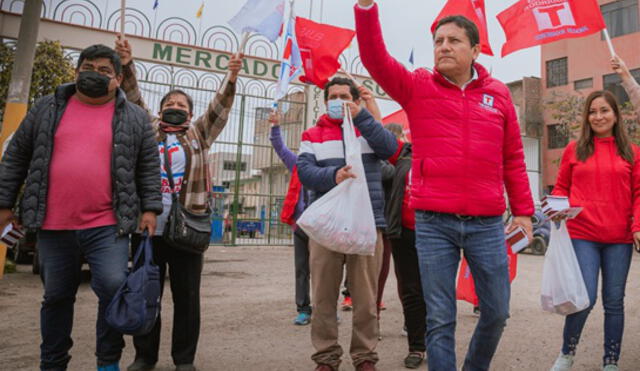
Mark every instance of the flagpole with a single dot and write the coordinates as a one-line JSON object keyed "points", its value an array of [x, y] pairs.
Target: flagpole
{"points": [[350, 76], [609, 43], [123, 4], [243, 41], [155, 18], [291, 3]]}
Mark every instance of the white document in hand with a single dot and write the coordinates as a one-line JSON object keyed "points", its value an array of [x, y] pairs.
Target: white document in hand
{"points": [[518, 240], [11, 235], [553, 206]]}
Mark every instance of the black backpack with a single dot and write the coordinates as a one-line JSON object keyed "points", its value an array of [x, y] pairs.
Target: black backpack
{"points": [[136, 305]]}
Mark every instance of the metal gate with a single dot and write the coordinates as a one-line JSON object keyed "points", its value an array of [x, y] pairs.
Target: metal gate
{"points": [[249, 180]]}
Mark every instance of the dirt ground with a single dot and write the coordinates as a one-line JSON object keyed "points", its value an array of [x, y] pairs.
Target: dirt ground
{"points": [[247, 314]]}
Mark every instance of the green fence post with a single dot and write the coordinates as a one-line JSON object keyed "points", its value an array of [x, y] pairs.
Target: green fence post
{"points": [[236, 192]]}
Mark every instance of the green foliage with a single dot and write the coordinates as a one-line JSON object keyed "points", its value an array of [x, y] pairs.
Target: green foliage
{"points": [[50, 69], [566, 110]]}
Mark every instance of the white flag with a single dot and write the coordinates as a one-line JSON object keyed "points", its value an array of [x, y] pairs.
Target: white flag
{"points": [[261, 16]]}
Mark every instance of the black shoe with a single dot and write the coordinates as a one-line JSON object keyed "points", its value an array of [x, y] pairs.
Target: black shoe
{"points": [[414, 360], [140, 365], [185, 367]]}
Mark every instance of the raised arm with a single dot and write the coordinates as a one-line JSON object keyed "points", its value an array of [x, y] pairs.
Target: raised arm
{"points": [[628, 82], [392, 76], [286, 155], [370, 102], [210, 124], [129, 81]]}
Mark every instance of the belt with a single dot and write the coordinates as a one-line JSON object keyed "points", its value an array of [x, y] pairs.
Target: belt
{"points": [[464, 217], [460, 216]]}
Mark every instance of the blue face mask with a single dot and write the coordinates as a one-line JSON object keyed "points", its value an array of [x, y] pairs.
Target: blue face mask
{"points": [[335, 109]]}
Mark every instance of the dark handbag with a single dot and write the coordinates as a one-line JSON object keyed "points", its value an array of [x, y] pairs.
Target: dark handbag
{"points": [[136, 305], [184, 229]]}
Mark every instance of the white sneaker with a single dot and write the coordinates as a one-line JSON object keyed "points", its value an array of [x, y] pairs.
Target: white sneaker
{"points": [[563, 363], [610, 368]]}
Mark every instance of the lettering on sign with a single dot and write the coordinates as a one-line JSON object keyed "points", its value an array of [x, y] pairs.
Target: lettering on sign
{"points": [[219, 61]]}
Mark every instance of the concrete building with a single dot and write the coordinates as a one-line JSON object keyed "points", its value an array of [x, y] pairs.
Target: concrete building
{"points": [[223, 165], [526, 96], [576, 67]]}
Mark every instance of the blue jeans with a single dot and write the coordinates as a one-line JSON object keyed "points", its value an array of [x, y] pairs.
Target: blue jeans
{"points": [[614, 260], [60, 256], [439, 239]]}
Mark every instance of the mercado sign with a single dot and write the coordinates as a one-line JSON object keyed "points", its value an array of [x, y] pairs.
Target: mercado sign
{"points": [[218, 61], [152, 50]]}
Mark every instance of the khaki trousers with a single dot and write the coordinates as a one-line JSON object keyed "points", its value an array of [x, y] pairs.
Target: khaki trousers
{"points": [[326, 276]]}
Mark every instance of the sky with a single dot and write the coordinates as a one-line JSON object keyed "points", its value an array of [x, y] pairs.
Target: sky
{"points": [[405, 25]]}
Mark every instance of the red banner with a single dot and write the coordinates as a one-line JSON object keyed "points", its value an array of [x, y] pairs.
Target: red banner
{"points": [[472, 9], [466, 289], [320, 47], [529, 23]]}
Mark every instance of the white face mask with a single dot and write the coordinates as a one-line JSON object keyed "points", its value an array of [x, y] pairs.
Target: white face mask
{"points": [[335, 109]]}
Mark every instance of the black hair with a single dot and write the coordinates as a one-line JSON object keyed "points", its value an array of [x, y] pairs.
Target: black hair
{"points": [[353, 89], [179, 92], [101, 51], [465, 23]]}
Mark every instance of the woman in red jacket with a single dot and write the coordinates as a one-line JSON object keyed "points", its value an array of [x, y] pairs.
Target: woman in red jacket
{"points": [[601, 173]]}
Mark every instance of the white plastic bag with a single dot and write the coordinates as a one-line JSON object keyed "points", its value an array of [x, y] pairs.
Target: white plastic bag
{"points": [[563, 288], [342, 219]]}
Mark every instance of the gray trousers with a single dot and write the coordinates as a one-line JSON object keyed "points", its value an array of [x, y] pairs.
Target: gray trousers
{"points": [[301, 256]]}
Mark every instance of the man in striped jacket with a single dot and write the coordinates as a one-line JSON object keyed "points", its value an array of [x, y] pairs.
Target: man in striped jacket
{"points": [[321, 166]]}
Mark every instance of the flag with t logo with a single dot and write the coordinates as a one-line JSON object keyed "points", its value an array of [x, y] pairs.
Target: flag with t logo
{"points": [[529, 23]]}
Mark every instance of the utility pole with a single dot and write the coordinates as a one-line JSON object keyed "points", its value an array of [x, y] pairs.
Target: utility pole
{"points": [[18, 96]]}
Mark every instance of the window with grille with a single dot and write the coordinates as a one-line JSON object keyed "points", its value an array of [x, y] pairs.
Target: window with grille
{"points": [[583, 84], [231, 165], [262, 113], [612, 82], [621, 17], [557, 72], [558, 136]]}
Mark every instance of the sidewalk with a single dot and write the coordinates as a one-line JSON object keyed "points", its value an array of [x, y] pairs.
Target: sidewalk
{"points": [[247, 306]]}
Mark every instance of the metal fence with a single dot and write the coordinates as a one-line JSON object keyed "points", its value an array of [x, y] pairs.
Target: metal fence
{"points": [[250, 181]]}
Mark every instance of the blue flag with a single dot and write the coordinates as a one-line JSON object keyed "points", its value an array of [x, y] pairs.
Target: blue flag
{"points": [[155, 4], [411, 57]]}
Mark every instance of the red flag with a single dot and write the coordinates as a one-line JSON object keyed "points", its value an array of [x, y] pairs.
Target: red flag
{"points": [[472, 9], [320, 47], [534, 22], [466, 289]]}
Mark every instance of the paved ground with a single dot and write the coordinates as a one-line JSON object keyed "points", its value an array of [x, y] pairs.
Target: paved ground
{"points": [[247, 321]]}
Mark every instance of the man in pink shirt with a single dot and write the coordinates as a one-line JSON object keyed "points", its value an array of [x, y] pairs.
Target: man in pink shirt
{"points": [[88, 161]]}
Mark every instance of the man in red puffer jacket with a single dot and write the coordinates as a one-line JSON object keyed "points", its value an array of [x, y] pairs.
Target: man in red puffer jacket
{"points": [[466, 151]]}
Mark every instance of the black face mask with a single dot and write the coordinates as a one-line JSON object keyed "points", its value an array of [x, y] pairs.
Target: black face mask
{"points": [[92, 84], [174, 116]]}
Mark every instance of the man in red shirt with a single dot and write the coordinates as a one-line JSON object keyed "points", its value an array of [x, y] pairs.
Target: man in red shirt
{"points": [[467, 151], [88, 161]]}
